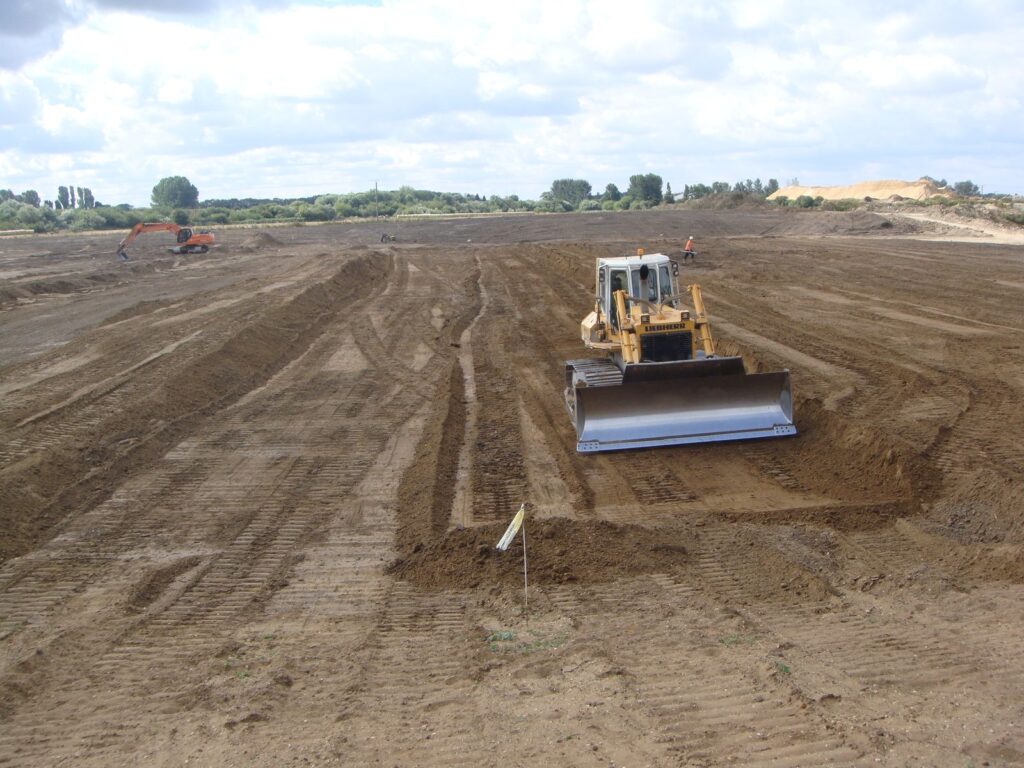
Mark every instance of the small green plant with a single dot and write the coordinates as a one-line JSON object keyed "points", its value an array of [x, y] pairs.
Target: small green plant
{"points": [[782, 668], [731, 640], [505, 641]]}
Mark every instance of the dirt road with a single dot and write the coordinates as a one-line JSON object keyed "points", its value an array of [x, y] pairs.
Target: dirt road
{"points": [[250, 501]]}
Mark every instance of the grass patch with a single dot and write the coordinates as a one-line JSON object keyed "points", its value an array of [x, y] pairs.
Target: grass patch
{"points": [[506, 641], [731, 640]]}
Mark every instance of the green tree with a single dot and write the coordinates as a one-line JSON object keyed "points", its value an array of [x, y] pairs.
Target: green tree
{"points": [[62, 198], [180, 217], [966, 188], [571, 191], [772, 187], [30, 217], [88, 200], [697, 191], [646, 187], [6, 194], [71, 190], [175, 192], [611, 192], [669, 197], [31, 197]]}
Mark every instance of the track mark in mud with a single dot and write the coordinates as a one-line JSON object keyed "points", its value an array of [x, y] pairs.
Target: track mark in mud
{"points": [[701, 716], [48, 371], [157, 582], [463, 501], [548, 493], [934, 324], [348, 359], [266, 479], [801, 359], [139, 431], [109, 384], [740, 566], [652, 480], [413, 626]]}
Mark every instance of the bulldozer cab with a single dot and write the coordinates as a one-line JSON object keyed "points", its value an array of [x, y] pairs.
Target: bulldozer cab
{"points": [[627, 274], [184, 235]]}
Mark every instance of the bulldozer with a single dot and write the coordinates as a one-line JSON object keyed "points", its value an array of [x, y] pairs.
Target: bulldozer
{"points": [[660, 382], [187, 240]]}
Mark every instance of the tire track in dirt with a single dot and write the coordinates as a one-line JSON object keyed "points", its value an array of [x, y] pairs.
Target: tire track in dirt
{"points": [[498, 474], [271, 520], [128, 435]]}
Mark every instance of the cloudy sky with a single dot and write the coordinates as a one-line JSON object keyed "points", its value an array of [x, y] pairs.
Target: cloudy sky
{"points": [[299, 97]]}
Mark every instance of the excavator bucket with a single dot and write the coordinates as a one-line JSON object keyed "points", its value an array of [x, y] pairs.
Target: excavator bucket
{"points": [[675, 403]]}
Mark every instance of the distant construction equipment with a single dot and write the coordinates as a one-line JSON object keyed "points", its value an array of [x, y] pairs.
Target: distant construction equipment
{"points": [[188, 241]]}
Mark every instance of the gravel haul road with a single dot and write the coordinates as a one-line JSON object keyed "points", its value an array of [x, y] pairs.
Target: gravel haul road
{"points": [[250, 500]]}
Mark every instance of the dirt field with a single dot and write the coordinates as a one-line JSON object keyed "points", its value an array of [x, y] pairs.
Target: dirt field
{"points": [[249, 502]]}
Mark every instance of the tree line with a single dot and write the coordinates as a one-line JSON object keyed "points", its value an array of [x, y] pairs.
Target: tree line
{"points": [[645, 190], [176, 198]]}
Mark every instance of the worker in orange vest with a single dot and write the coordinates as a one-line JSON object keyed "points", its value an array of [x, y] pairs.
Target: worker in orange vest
{"points": [[688, 249]]}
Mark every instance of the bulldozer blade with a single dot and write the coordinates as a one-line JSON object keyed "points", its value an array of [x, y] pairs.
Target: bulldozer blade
{"points": [[650, 408]]}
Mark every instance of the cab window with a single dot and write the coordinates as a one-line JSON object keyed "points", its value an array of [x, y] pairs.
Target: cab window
{"points": [[666, 282], [618, 283], [652, 285]]}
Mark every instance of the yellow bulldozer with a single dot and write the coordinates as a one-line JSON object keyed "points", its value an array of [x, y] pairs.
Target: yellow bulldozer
{"points": [[661, 382]]}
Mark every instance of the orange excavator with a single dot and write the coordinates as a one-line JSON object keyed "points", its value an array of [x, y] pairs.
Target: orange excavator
{"points": [[188, 241]]}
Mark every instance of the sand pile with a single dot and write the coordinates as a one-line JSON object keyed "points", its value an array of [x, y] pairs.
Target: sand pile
{"points": [[921, 189]]}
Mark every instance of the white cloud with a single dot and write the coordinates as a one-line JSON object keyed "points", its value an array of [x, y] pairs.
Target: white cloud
{"points": [[274, 98]]}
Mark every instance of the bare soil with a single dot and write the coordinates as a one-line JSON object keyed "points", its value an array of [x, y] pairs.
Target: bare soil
{"points": [[249, 501]]}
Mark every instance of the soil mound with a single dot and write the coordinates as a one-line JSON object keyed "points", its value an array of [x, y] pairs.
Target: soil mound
{"points": [[835, 223], [259, 241], [10, 293], [559, 551], [921, 189]]}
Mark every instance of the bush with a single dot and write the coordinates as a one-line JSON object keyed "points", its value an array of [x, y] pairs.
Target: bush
{"points": [[840, 205], [211, 216], [117, 218], [805, 201], [83, 220], [589, 205], [30, 217], [180, 217]]}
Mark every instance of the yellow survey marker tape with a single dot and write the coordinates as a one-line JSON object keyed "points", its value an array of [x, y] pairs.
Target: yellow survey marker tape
{"points": [[510, 533], [513, 528]]}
